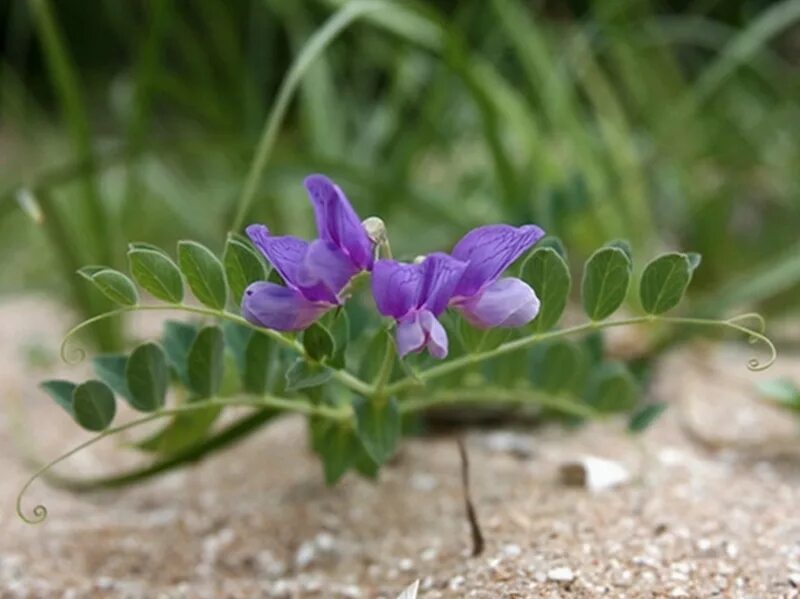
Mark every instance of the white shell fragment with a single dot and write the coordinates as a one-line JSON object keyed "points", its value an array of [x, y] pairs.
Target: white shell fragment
{"points": [[410, 592], [561, 574], [594, 474]]}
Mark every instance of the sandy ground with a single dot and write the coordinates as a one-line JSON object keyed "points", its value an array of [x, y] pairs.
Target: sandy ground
{"points": [[711, 510]]}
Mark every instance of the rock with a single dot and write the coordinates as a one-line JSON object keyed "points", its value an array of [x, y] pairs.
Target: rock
{"points": [[594, 474], [561, 574]]}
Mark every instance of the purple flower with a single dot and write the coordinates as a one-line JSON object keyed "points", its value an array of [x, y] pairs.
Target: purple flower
{"points": [[315, 272], [415, 294], [482, 297]]}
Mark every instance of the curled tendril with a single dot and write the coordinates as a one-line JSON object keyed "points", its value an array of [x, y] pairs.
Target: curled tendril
{"points": [[76, 355], [761, 323], [754, 337]]}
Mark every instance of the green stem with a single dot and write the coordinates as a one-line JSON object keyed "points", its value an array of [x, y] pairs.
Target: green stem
{"points": [[495, 395], [265, 402], [524, 342], [385, 371], [344, 377]]}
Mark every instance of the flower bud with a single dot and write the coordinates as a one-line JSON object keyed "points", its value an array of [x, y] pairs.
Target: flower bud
{"points": [[376, 229]]}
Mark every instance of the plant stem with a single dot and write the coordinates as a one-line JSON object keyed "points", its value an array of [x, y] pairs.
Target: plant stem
{"points": [[265, 402], [344, 377], [524, 342], [495, 395]]}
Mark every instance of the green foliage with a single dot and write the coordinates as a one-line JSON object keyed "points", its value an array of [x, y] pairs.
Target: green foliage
{"points": [[205, 362], [782, 391], [147, 377], [338, 447], [177, 340], [559, 366], [110, 368], [378, 427], [242, 267], [606, 277], [93, 405], [204, 273], [645, 417], [318, 342], [156, 273], [305, 375], [611, 388], [113, 284], [60, 392], [546, 271], [664, 282]]}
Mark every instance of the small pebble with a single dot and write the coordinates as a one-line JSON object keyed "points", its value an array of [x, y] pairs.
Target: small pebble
{"points": [[561, 574]]}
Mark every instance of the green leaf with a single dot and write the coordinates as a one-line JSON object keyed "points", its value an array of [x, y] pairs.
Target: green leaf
{"points": [[182, 432], [113, 284], [142, 245], [782, 391], [557, 368], [206, 362], [259, 353], [646, 416], [204, 273], [318, 342], [548, 274], [611, 388], [338, 323], [304, 375], [605, 282], [476, 340], [110, 368], [93, 405], [664, 282], [147, 376], [372, 358], [176, 340], [60, 392], [554, 243], [624, 245], [242, 267], [378, 427], [156, 273], [338, 448]]}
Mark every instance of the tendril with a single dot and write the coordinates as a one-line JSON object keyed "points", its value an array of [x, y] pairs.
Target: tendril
{"points": [[39, 511], [76, 354], [755, 364], [761, 323]]}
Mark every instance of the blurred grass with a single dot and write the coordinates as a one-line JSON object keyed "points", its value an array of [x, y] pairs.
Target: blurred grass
{"points": [[672, 129]]}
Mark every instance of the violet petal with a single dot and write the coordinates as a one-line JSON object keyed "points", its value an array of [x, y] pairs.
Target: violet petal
{"points": [[508, 302], [410, 335], [435, 335], [396, 287], [288, 254], [442, 274], [490, 250], [280, 308], [337, 222], [324, 263]]}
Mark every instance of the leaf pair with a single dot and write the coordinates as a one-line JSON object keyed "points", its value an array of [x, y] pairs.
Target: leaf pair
{"points": [[209, 279]]}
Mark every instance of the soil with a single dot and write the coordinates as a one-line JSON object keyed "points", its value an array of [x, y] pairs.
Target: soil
{"points": [[710, 510]]}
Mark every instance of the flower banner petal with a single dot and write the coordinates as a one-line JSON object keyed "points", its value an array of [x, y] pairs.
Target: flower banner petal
{"points": [[337, 222], [489, 251]]}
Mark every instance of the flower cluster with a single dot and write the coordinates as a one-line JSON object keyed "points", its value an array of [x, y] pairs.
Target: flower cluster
{"points": [[316, 275]]}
